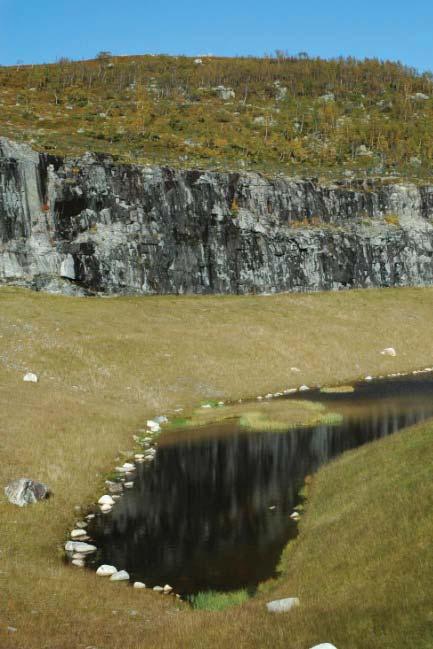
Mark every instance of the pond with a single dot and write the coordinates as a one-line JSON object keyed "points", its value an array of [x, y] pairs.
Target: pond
{"points": [[212, 511]]}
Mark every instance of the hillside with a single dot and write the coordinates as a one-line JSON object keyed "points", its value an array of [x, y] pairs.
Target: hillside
{"points": [[275, 114]]}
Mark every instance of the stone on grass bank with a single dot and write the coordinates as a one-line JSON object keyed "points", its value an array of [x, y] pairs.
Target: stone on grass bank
{"points": [[282, 605], [121, 575], [25, 491], [106, 571]]}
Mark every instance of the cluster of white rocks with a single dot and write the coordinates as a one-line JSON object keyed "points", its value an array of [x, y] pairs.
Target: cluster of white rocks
{"points": [[77, 549], [114, 574]]}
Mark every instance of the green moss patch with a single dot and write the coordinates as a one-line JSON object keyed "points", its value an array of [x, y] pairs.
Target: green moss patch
{"points": [[217, 601]]}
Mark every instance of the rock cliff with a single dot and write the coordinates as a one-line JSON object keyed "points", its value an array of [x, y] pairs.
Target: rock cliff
{"points": [[88, 224]]}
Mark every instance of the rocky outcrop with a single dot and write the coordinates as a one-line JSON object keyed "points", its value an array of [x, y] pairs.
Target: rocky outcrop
{"points": [[90, 225], [24, 491]]}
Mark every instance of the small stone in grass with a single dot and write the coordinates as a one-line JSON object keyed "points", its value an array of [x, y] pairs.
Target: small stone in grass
{"points": [[78, 562], [282, 605], [30, 377], [324, 645], [388, 351], [121, 575], [158, 589], [139, 585]]}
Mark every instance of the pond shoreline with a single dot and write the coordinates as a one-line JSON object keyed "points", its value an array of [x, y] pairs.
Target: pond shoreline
{"points": [[146, 451]]}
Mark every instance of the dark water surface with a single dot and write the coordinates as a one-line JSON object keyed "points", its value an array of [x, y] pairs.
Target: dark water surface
{"points": [[199, 516]]}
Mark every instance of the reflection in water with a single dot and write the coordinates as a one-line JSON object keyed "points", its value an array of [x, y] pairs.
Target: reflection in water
{"points": [[199, 516]]}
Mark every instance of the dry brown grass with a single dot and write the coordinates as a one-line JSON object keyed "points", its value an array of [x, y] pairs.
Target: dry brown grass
{"points": [[361, 564]]}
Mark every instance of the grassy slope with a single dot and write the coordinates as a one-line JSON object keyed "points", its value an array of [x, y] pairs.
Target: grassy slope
{"points": [[166, 110], [361, 564]]}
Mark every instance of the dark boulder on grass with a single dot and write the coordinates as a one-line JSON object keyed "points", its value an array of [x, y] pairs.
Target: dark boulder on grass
{"points": [[24, 491]]}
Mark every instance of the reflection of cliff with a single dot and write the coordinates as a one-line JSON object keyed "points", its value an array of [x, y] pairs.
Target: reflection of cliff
{"points": [[118, 228], [199, 516]]}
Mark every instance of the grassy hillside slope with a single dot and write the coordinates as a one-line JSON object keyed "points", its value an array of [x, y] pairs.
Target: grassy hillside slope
{"points": [[362, 564], [285, 114]]}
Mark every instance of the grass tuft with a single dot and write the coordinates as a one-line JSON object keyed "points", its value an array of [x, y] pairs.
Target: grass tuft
{"points": [[212, 600]]}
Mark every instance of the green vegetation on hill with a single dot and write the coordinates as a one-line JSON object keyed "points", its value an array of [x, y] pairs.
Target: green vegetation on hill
{"points": [[274, 114]]}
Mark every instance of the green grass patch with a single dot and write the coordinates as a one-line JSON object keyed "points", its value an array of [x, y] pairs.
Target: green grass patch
{"points": [[213, 600], [338, 389]]}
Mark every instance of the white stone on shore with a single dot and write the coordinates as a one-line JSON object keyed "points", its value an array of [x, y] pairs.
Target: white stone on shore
{"points": [[128, 485], [106, 500], [30, 377], [106, 570], [324, 645], [139, 585], [282, 605], [368, 378], [158, 589], [79, 546], [75, 534], [105, 509], [81, 525], [78, 555], [303, 388], [121, 575], [295, 516], [78, 562], [167, 588]]}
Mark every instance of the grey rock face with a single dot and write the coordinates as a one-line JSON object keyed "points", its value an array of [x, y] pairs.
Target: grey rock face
{"points": [[87, 225], [24, 491]]}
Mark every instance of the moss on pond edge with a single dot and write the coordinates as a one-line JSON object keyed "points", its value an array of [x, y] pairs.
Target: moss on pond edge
{"points": [[218, 601], [278, 415]]}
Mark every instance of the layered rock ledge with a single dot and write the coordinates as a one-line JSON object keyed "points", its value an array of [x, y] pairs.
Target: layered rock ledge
{"points": [[88, 224]]}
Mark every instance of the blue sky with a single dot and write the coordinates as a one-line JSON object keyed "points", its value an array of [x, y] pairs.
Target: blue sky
{"points": [[35, 31]]}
